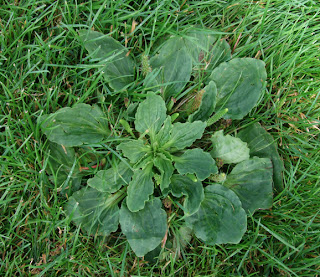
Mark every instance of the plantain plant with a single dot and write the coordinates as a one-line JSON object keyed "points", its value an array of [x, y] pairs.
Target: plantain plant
{"points": [[162, 158]]}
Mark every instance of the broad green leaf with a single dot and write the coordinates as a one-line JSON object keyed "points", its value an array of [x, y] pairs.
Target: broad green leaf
{"points": [[134, 150], [140, 188], [164, 133], [118, 66], [208, 103], [220, 52], [65, 166], [98, 213], [196, 161], [182, 185], [166, 169], [240, 83], [251, 180], [198, 43], [152, 80], [261, 144], [132, 108], [184, 134], [220, 218], [175, 66], [112, 179], [144, 229], [229, 149], [75, 126], [204, 47], [151, 114]]}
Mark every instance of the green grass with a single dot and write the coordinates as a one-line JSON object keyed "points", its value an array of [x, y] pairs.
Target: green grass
{"points": [[44, 67]]}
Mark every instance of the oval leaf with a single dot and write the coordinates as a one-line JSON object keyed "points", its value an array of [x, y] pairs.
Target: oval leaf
{"points": [[95, 211], [220, 218], [140, 188], [65, 166], [184, 134], [182, 185], [220, 52], [151, 114], [196, 161], [198, 43], [166, 170], [144, 229], [112, 179], [240, 83], [118, 68], [251, 180], [174, 65], [228, 148], [76, 126], [261, 144]]}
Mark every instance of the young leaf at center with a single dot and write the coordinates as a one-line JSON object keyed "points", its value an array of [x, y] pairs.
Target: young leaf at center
{"points": [[134, 150], [166, 169]]}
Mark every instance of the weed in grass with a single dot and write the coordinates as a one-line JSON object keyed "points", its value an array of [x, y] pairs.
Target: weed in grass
{"points": [[40, 79]]}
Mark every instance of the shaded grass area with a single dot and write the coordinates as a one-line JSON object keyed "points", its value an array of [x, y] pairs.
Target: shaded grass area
{"points": [[44, 67]]}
